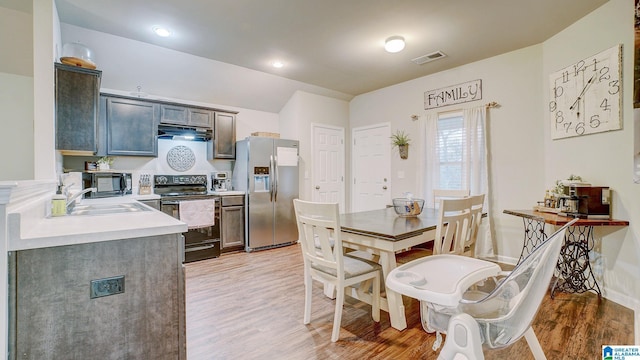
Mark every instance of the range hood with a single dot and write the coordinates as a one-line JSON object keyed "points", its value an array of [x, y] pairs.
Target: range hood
{"points": [[183, 133]]}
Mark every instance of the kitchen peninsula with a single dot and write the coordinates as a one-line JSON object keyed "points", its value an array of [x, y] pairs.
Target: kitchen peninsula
{"points": [[81, 285]]}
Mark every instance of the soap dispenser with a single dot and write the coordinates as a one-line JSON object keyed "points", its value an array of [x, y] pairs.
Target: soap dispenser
{"points": [[59, 203]]}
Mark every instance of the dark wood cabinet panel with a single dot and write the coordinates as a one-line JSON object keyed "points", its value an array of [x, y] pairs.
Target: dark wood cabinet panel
{"points": [[172, 114], [224, 136], [55, 317], [200, 117], [131, 127], [77, 92], [232, 227], [186, 116]]}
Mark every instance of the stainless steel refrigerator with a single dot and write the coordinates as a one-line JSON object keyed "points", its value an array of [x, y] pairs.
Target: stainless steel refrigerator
{"points": [[267, 170]]}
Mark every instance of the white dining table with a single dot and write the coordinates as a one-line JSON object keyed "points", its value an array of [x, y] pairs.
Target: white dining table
{"points": [[383, 234]]}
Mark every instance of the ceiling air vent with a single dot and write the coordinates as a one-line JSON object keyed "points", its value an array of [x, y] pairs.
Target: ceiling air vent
{"points": [[429, 57]]}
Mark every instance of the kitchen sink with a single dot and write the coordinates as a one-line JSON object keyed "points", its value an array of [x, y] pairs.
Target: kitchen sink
{"points": [[108, 209]]}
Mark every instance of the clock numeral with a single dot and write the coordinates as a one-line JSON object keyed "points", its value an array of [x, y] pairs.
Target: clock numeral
{"points": [[604, 74], [580, 128], [565, 76], [553, 106], [594, 122], [614, 87], [559, 117], [604, 105], [558, 91], [578, 67], [595, 65], [567, 126]]}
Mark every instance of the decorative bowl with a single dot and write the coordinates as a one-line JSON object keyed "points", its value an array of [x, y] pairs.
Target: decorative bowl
{"points": [[408, 207]]}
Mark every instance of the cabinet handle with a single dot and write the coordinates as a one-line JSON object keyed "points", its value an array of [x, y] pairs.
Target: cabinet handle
{"points": [[384, 187], [317, 187]]}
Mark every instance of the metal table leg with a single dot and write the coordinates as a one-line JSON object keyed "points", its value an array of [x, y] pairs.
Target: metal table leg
{"points": [[573, 271], [533, 235]]}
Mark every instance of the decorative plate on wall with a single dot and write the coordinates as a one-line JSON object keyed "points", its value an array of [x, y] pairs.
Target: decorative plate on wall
{"points": [[181, 158]]}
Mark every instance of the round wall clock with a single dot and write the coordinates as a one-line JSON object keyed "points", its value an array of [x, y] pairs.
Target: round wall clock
{"points": [[586, 97]]}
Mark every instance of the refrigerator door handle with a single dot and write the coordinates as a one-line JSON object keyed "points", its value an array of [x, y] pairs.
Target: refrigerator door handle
{"points": [[276, 178], [271, 183]]}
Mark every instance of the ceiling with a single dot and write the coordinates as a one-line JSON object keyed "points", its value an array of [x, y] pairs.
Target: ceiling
{"points": [[334, 44]]}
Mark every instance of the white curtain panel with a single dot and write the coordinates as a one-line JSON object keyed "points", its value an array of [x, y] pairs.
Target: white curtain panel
{"points": [[474, 169]]}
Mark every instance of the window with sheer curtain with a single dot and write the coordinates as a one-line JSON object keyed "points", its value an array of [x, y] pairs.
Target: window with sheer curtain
{"points": [[456, 152]]}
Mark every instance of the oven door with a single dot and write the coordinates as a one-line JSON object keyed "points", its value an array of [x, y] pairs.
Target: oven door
{"points": [[200, 243]]}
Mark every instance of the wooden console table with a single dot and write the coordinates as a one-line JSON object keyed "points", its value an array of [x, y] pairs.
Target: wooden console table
{"points": [[573, 270]]}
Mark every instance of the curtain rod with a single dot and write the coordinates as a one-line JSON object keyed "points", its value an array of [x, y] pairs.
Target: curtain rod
{"points": [[489, 105]]}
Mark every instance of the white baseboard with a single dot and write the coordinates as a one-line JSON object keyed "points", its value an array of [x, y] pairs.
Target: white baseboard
{"points": [[628, 302]]}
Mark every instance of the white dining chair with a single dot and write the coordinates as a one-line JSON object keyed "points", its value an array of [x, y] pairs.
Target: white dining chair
{"points": [[454, 219], [439, 194], [477, 203], [325, 261]]}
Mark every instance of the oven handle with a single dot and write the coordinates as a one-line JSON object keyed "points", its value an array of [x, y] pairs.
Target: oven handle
{"points": [[177, 202], [205, 247]]}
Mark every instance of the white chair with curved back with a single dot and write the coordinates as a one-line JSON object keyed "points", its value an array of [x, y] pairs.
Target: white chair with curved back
{"points": [[477, 203], [439, 194], [454, 219], [325, 261]]}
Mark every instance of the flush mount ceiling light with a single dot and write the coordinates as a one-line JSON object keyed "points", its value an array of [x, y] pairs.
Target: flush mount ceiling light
{"points": [[394, 44], [162, 32], [277, 64]]}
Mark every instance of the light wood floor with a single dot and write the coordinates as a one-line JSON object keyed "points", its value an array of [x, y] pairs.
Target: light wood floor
{"points": [[250, 305]]}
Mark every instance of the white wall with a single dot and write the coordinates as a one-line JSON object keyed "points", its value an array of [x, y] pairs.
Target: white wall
{"points": [[296, 117], [514, 136], [16, 95], [603, 159]]}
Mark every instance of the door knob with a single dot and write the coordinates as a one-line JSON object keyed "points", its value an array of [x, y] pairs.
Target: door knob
{"points": [[317, 187], [384, 187]]}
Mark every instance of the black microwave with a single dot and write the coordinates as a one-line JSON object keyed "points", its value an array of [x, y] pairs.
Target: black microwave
{"points": [[106, 183]]}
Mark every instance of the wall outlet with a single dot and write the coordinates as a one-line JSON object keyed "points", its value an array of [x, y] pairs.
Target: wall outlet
{"points": [[108, 286]]}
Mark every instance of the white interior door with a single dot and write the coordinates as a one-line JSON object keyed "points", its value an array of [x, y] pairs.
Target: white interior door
{"points": [[328, 164], [371, 166]]}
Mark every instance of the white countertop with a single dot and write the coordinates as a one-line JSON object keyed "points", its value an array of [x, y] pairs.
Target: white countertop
{"points": [[29, 228]]}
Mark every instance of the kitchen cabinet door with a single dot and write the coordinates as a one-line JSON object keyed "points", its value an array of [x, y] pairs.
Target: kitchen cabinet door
{"points": [[200, 117], [77, 93], [232, 227], [185, 116], [174, 115], [224, 136], [131, 127]]}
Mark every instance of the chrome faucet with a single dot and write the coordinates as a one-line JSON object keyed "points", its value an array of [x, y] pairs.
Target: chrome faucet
{"points": [[71, 202]]}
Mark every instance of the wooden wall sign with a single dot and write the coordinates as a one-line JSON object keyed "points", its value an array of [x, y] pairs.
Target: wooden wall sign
{"points": [[455, 94]]}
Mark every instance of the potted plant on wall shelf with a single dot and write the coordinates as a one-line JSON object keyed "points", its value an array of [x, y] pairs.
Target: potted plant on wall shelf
{"points": [[104, 163], [401, 140]]}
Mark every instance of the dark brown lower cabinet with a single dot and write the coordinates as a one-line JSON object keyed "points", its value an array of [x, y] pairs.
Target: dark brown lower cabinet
{"points": [[52, 313]]}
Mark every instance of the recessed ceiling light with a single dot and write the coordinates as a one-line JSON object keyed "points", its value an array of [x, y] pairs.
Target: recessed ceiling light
{"points": [[277, 64], [162, 32], [394, 44]]}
